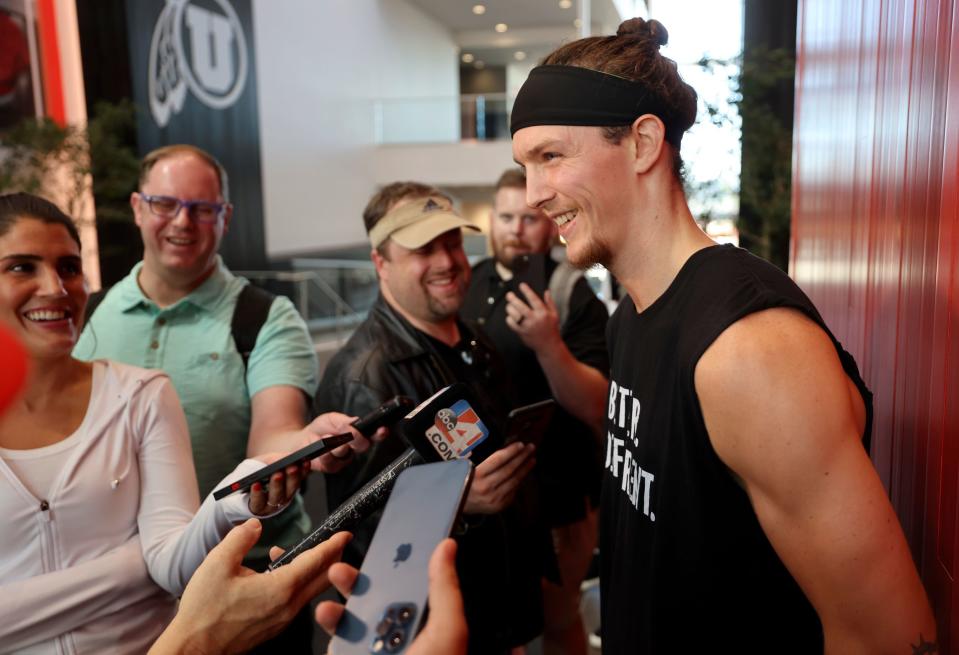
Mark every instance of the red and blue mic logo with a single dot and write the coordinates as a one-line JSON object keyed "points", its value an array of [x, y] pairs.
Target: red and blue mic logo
{"points": [[456, 431]]}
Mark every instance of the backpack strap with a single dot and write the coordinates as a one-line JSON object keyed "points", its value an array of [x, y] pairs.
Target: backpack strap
{"points": [[561, 285], [251, 311]]}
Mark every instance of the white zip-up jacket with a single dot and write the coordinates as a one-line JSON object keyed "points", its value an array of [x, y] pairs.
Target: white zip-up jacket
{"points": [[94, 566]]}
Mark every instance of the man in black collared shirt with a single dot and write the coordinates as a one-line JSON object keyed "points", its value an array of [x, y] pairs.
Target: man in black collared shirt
{"points": [[552, 340]]}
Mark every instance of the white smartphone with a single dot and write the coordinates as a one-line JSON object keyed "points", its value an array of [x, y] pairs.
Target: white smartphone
{"points": [[385, 609]]}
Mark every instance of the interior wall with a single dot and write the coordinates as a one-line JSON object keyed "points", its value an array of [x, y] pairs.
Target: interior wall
{"points": [[321, 67], [876, 243]]}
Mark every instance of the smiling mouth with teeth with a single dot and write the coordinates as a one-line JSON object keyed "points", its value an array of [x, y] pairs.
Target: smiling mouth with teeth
{"points": [[44, 315], [563, 219]]}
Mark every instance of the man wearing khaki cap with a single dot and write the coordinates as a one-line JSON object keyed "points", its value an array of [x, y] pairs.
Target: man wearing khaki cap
{"points": [[413, 344]]}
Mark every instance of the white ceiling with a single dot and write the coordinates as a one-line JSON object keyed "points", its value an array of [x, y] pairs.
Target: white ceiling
{"points": [[535, 26], [458, 15]]}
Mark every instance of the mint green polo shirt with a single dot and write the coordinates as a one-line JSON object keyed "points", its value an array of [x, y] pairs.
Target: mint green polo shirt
{"points": [[192, 342]]}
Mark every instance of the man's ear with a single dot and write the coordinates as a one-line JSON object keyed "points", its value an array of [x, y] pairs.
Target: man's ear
{"points": [[135, 206], [227, 215], [648, 134], [379, 262]]}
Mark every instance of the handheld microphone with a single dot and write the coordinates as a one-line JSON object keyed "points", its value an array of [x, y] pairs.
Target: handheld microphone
{"points": [[386, 414], [450, 424], [445, 426]]}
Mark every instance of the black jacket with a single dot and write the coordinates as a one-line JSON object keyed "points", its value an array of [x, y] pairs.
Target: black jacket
{"points": [[385, 357]]}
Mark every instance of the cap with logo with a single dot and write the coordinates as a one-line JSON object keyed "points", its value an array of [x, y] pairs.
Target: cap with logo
{"points": [[414, 224]]}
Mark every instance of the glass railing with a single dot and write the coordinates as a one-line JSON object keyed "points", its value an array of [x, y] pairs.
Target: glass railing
{"points": [[484, 117], [333, 296]]}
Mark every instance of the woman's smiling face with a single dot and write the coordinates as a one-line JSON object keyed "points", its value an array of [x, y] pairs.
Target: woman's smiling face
{"points": [[42, 289]]}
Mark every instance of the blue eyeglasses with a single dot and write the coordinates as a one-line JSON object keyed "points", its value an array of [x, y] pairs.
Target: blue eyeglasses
{"points": [[201, 211]]}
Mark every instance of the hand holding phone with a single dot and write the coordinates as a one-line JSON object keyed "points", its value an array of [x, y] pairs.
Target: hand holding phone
{"points": [[262, 475], [530, 269], [445, 630], [529, 422], [498, 478], [386, 606]]}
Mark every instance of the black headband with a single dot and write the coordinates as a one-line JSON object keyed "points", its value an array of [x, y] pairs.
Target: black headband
{"points": [[569, 95]]}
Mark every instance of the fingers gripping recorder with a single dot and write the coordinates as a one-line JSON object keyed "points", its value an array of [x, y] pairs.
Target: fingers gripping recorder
{"points": [[446, 426]]}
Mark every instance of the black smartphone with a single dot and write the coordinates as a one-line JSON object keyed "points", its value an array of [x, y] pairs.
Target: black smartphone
{"points": [[530, 269], [529, 422], [311, 451], [385, 608], [386, 414]]}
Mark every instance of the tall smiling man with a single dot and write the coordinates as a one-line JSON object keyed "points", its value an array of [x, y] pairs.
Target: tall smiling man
{"points": [[740, 511], [176, 311]]}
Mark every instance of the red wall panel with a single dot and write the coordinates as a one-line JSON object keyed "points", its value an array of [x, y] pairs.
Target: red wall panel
{"points": [[875, 229]]}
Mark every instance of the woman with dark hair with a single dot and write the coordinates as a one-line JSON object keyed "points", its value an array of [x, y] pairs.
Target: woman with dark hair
{"points": [[100, 519]]}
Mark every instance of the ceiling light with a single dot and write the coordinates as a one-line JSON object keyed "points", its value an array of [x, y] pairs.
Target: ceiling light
{"points": [[479, 10], [467, 58], [501, 27], [565, 4], [519, 55], [480, 64]]}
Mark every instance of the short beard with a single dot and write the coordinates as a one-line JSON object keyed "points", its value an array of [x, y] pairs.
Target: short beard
{"points": [[595, 252], [500, 256]]}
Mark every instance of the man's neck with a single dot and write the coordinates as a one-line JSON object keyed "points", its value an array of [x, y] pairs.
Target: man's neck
{"points": [[648, 264], [446, 331], [165, 289], [503, 271]]}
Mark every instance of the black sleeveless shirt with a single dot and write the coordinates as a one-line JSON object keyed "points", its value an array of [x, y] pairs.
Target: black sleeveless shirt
{"points": [[685, 565]]}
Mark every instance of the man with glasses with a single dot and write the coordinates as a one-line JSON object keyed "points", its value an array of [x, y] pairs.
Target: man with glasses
{"points": [[175, 311]]}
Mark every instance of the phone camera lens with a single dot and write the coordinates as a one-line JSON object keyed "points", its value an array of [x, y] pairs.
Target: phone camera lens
{"points": [[395, 641], [404, 614], [383, 627]]}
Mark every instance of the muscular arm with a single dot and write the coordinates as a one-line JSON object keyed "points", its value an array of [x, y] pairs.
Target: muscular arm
{"points": [[786, 420]]}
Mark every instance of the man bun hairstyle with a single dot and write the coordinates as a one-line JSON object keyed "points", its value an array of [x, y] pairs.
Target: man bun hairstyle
{"points": [[633, 54], [644, 28]]}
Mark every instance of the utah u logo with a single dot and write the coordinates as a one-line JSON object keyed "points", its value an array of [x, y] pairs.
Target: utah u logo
{"points": [[196, 48]]}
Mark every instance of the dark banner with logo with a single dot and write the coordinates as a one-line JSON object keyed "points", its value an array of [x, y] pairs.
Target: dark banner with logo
{"points": [[194, 82]]}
